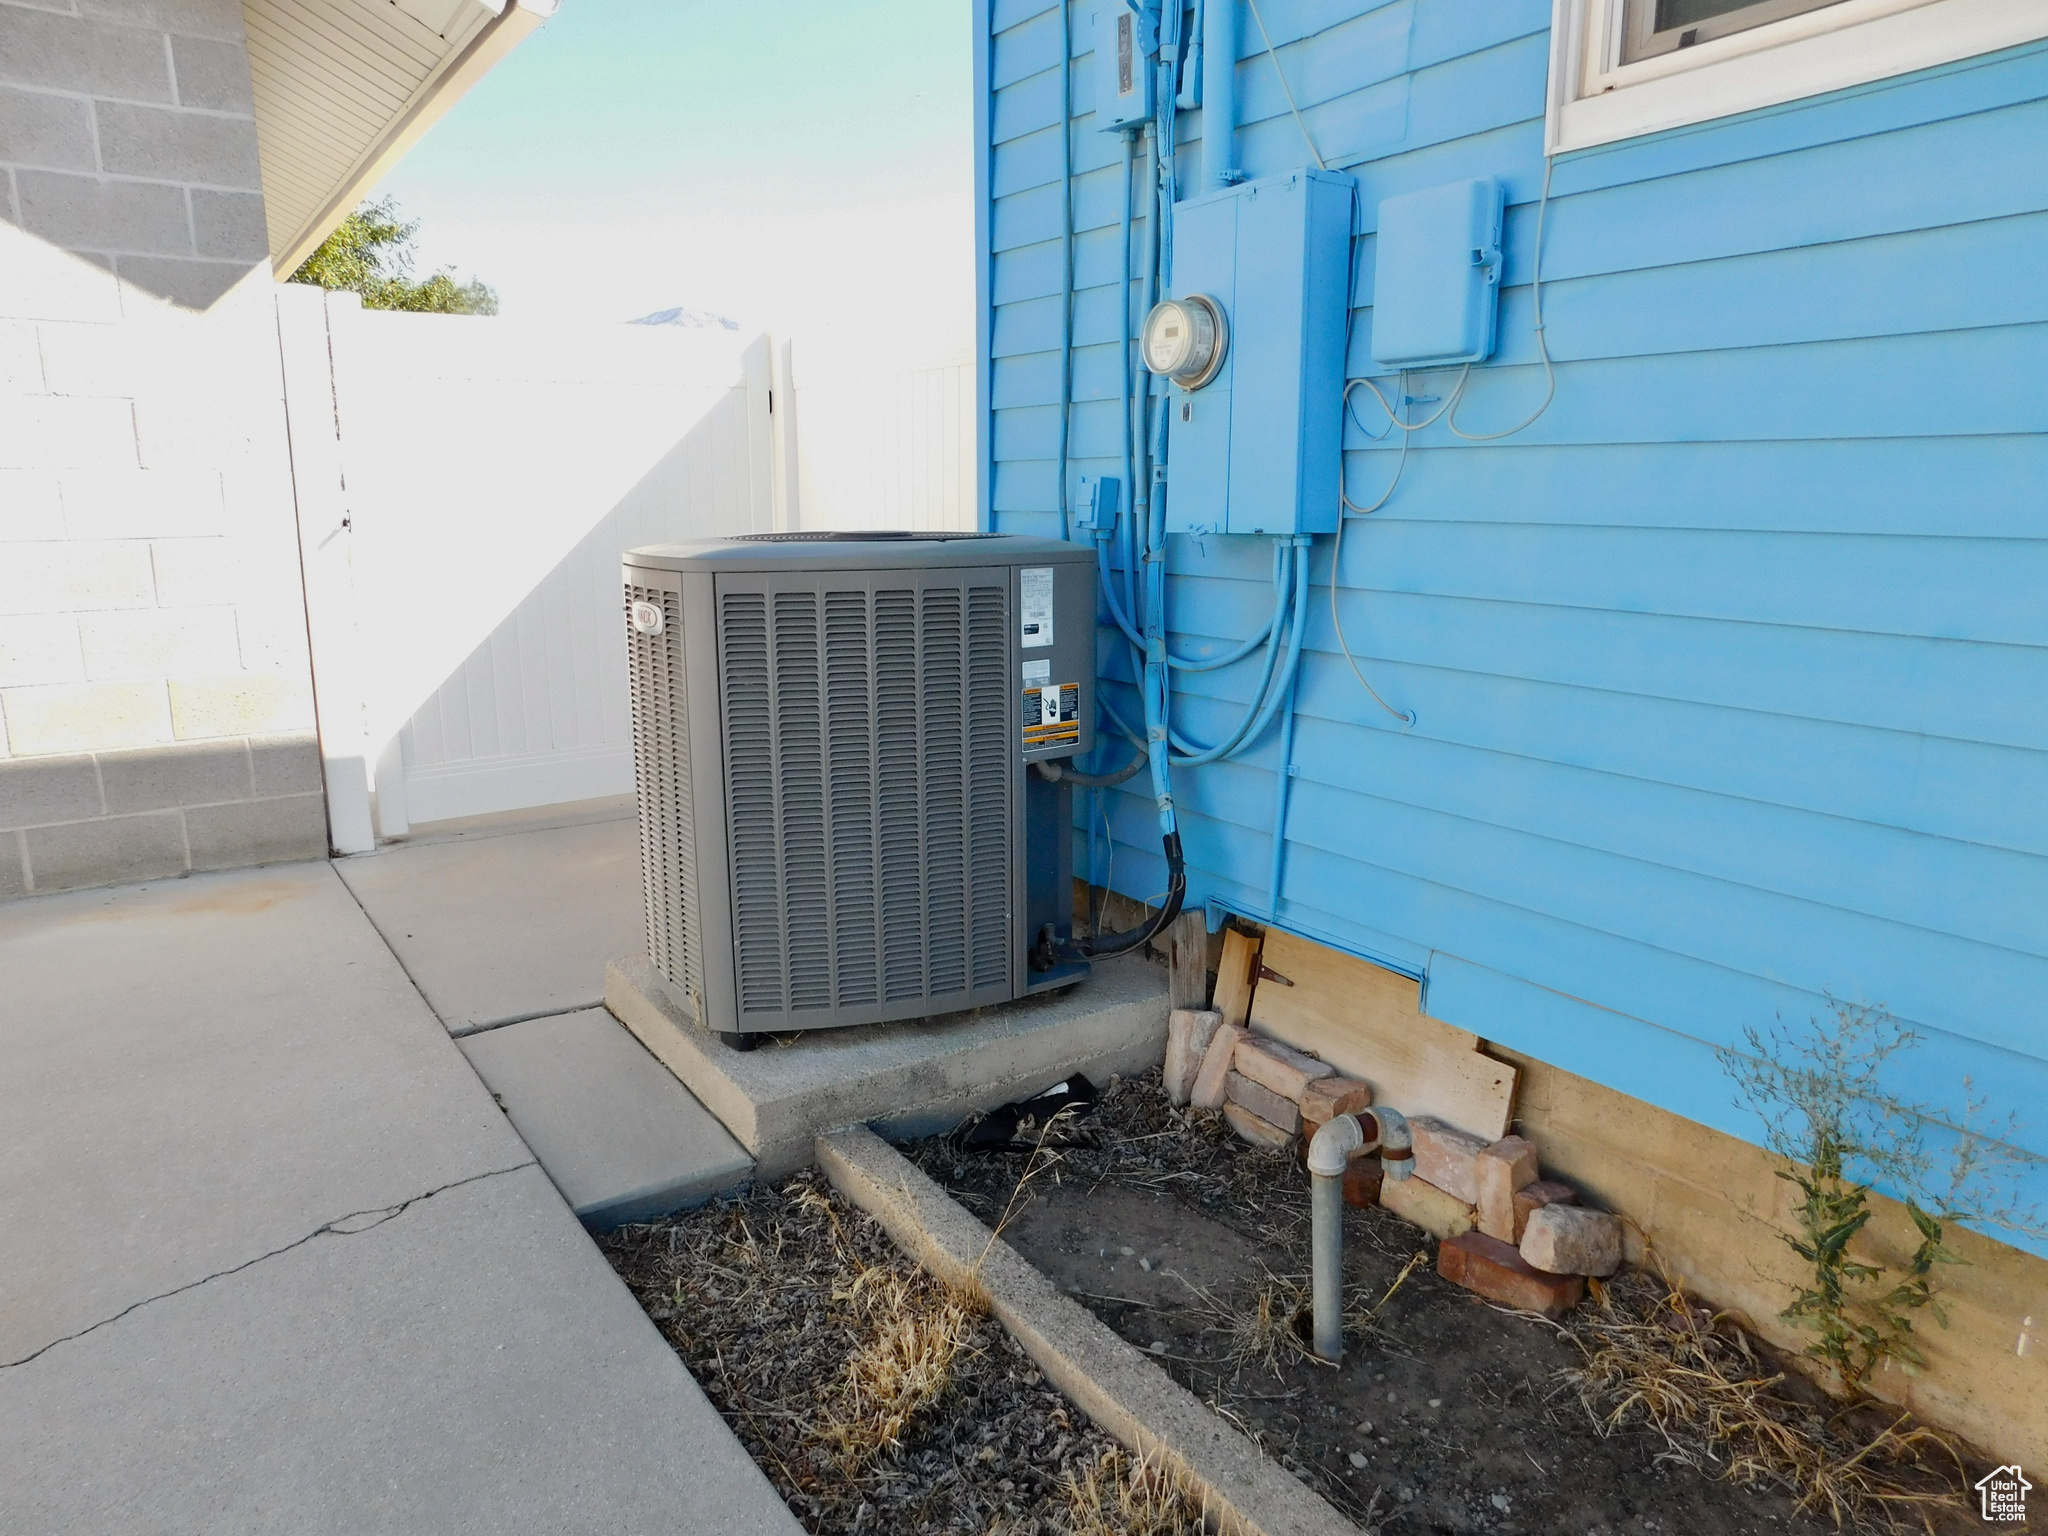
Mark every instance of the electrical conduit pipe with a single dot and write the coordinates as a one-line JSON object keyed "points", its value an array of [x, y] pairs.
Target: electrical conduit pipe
{"points": [[1219, 95], [1328, 1153]]}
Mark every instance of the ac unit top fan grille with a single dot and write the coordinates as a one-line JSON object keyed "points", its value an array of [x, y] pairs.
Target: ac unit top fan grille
{"points": [[845, 536]]}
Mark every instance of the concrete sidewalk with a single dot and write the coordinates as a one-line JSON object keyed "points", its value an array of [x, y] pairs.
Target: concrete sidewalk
{"points": [[511, 920], [272, 1259]]}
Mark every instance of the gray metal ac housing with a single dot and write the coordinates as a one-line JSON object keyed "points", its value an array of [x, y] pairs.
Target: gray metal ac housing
{"points": [[830, 742]]}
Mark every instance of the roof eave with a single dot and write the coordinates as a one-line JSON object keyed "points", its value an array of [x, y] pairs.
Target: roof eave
{"points": [[464, 65]]}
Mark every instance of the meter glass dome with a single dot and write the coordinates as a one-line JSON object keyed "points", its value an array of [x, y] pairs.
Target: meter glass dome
{"points": [[1184, 340]]}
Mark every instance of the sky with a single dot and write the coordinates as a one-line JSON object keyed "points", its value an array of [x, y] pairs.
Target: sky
{"points": [[803, 167]]}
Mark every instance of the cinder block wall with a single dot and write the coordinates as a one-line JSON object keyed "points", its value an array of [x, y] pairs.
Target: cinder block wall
{"points": [[155, 698]]}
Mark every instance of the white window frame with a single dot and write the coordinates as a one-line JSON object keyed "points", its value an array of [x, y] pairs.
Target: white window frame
{"points": [[1594, 99]]}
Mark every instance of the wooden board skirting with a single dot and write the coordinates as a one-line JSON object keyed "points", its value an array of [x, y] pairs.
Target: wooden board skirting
{"points": [[1368, 1022], [1235, 974]]}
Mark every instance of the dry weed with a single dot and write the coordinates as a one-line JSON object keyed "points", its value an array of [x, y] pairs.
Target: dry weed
{"points": [[1656, 1359], [1268, 1332], [874, 1396], [1362, 1322], [916, 1330], [1122, 1495]]}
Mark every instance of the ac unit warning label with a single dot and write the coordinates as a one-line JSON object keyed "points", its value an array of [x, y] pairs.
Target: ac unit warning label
{"points": [[1052, 716], [1034, 604]]}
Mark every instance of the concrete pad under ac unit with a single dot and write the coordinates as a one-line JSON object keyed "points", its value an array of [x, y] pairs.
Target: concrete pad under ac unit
{"points": [[906, 1079], [621, 1138]]}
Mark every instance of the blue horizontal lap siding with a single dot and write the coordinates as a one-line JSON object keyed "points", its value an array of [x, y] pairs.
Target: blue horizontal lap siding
{"points": [[1731, 672]]}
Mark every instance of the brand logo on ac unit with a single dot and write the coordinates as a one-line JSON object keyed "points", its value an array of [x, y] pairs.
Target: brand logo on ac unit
{"points": [[648, 618]]}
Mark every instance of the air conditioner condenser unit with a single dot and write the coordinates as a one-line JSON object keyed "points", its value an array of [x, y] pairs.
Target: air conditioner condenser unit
{"points": [[831, 738]]}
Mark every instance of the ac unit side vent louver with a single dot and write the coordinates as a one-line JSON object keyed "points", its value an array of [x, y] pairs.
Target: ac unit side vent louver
{"points": [[661, 779]]}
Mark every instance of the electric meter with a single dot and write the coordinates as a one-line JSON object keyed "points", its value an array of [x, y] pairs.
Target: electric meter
{"points": [[1184, 340]]}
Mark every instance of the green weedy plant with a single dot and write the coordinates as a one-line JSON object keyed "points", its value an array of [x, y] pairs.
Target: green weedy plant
{"points": [[1838, 1132]]}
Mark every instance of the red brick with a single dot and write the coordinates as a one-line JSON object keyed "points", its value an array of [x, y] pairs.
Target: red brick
{"points": [[1188, 1033], [1209, 1082], [1491, 1268], [1362, 1177], [1447, 1156], [1533, 1197], [1506, 1166], [1274, 1108], [1260, 1133], [1279, 1067], [1328, 1097]]}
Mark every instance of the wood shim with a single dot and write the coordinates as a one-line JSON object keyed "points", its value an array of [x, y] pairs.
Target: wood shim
{"points": [[1236, 974], [1368, 1022]]}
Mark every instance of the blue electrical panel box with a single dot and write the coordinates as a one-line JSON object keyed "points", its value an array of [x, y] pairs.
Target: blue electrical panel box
{"points": [[1436, 278], [1258, 449], [1125, 38]]}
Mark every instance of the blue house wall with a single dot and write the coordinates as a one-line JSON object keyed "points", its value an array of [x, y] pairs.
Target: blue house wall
{"points": [[1730, 673]]}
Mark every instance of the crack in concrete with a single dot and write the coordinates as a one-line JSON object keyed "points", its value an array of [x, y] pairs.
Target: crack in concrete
{"points": [[341, 1226]]}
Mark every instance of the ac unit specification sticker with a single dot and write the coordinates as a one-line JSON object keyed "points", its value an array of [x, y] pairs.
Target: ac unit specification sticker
{"points": [[1034, 604], [1052, 715]]}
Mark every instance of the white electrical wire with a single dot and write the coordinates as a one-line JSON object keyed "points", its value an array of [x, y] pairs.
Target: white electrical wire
{"points": [[1447, 413], [1450, 401], [1337, 554], [1542, 342], [1286, 89], [1347, 505], [1346, 509]]}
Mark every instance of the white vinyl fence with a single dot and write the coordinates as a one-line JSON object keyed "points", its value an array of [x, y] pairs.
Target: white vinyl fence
{"points": [[465, 489], [884, 450]]}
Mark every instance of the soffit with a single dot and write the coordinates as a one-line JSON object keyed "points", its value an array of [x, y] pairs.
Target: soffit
{"points": [[343, 86]]}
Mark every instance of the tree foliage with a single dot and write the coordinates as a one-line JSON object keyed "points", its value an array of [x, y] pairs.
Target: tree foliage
{"points": [[371, 253]]}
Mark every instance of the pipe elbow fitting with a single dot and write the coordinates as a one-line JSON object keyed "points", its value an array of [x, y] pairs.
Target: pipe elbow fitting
{"points": [[1397, 1143], [1331, 1147]]}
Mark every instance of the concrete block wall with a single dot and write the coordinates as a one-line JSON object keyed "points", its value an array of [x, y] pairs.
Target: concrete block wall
{"points": [[128, 135], [96, 818], [151, 602]]}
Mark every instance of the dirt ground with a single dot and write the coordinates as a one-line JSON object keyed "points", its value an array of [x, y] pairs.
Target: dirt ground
{"points": [[872, 1399], [1447, 1415]]}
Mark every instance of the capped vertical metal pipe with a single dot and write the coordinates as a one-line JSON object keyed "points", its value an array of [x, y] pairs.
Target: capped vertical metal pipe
{"points": [[1219, 94], [1328, 1153]]}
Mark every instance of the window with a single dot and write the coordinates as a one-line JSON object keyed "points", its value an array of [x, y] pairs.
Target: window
{"points": [[1651, 27], [1620, 68]]}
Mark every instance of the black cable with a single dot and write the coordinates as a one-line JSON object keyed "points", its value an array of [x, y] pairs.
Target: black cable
{"points": [[1054, 773], [1102, 946]]}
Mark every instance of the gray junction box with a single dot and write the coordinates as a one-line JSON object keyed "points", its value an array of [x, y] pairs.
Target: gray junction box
{"points": [[831, 741]]}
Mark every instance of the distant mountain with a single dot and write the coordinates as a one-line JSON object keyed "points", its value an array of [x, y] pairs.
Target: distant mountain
{"points": [[691, 319]]}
